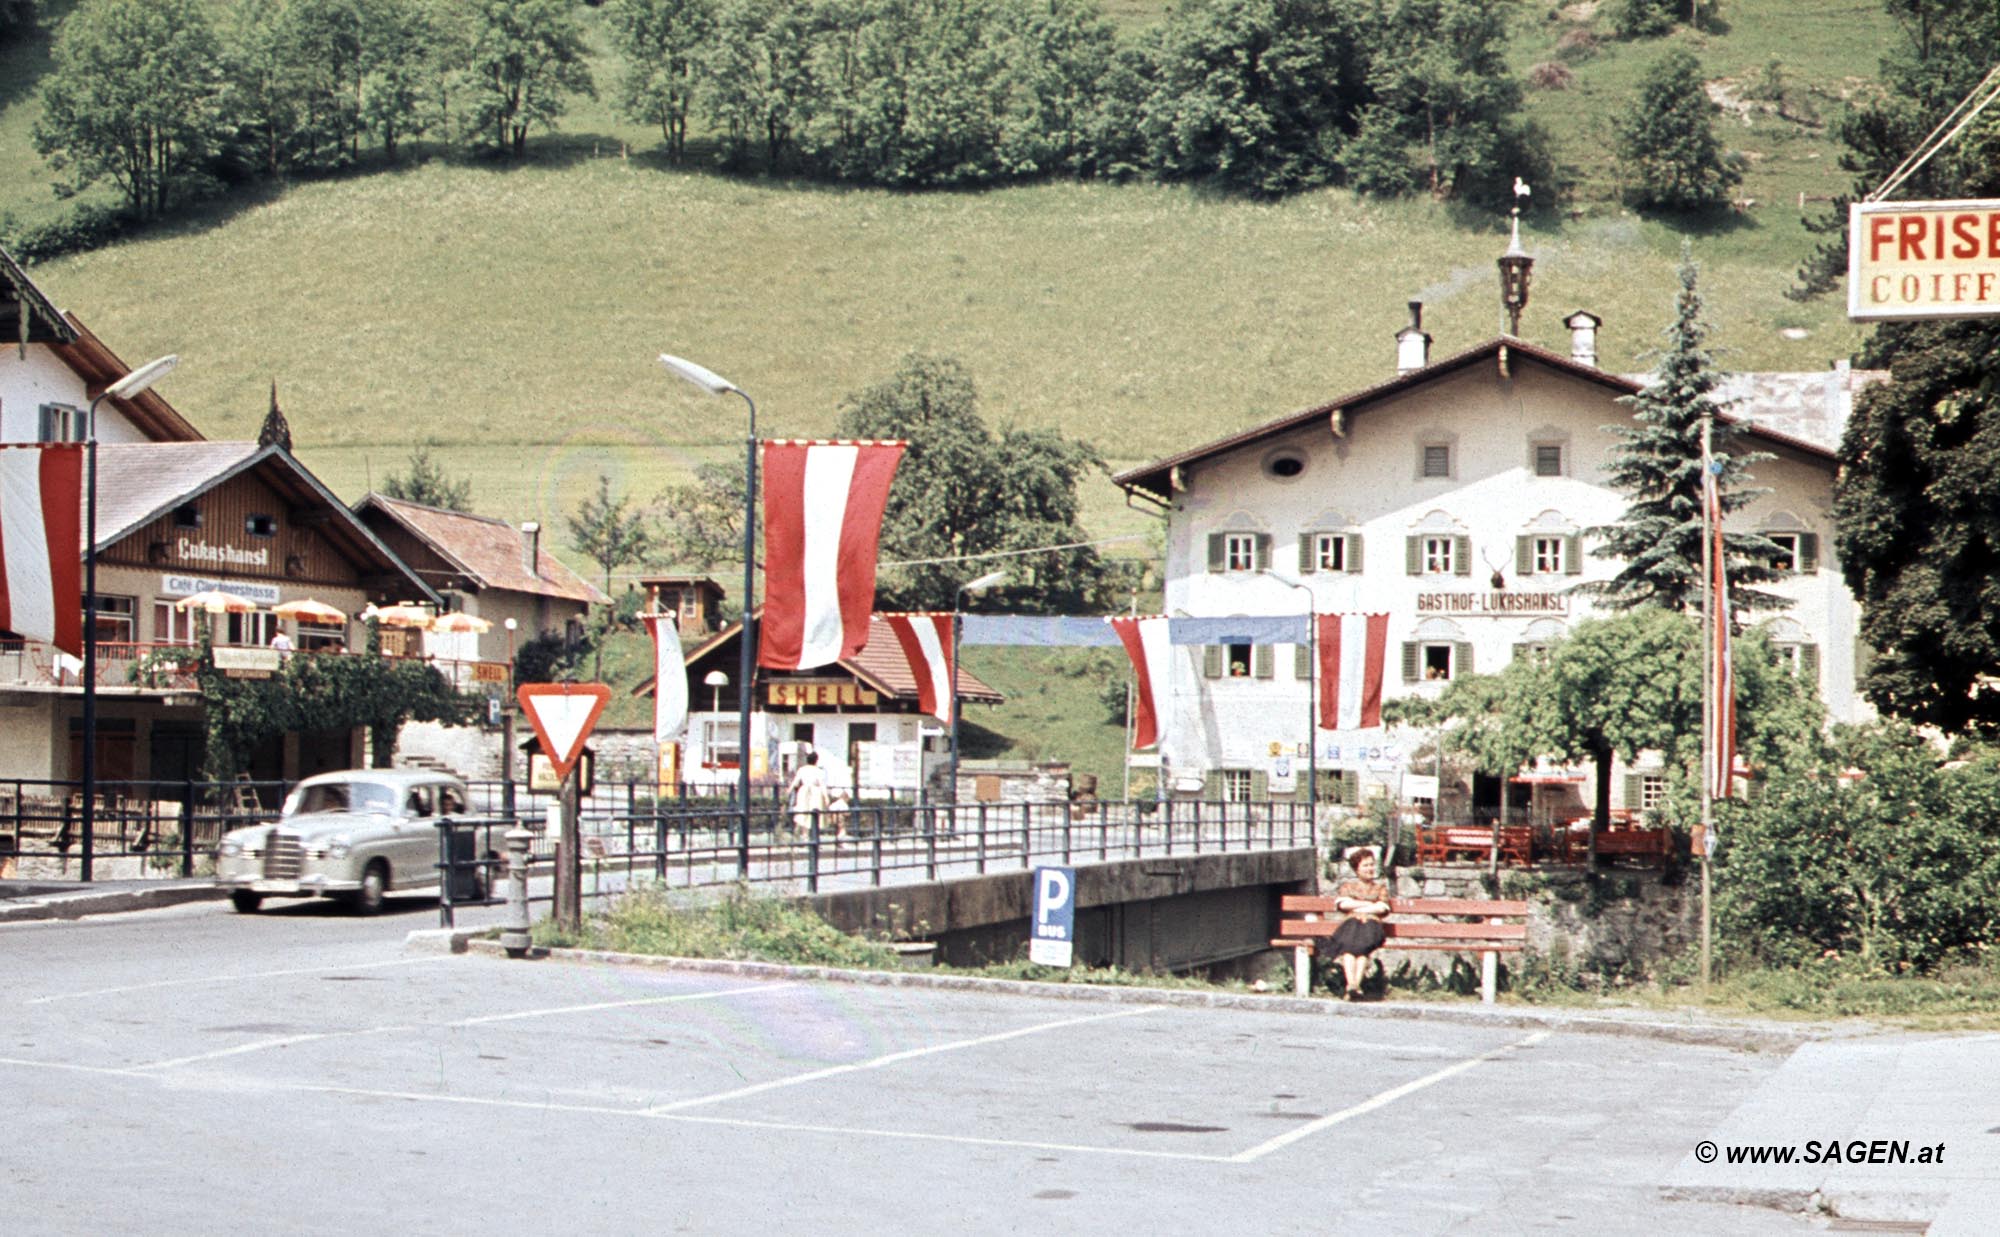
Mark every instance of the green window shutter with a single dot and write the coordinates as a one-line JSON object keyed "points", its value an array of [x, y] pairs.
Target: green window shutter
{"points": [[1353, 551], [1461, 660], [1635, 791], [47, 429], [1864, 657], [1809, 663], [1573, 554], [1308, 561], [1413, 555], [1808, 553], [1350, 788], [1302, 661], [1260, 784], [1211, 785], [1524, 556], [1262, 661], [1409, 661], [1216, 551], [1461, 556], [1263, 554], [1523, 650], [1211, 661]]}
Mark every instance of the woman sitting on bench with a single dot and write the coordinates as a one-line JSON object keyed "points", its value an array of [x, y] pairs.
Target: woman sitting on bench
{"points": [[1364, 900]]}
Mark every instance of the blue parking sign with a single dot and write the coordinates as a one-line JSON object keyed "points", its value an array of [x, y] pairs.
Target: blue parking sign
{"points": [[1052, 940]]}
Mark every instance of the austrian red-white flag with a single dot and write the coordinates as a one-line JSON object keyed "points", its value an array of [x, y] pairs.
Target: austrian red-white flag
{"points": [[926, 641], [1351, 649], [41, 543], [1145, 641], [670, 680], [823, 506], [1721, 745]]}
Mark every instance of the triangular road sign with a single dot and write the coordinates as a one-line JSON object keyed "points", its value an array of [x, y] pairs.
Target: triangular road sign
{"points": [[563, 715]]}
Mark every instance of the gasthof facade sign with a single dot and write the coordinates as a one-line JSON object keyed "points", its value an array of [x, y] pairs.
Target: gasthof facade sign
{"points": [[1923, 260]]}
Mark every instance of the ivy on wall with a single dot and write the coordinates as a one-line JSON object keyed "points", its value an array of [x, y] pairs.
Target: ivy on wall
{"points": [[311, 693]]}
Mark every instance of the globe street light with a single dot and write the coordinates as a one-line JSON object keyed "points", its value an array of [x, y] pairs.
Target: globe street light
{"points": [[125, 388], [717, 680], [979, 585], [715, 384]]}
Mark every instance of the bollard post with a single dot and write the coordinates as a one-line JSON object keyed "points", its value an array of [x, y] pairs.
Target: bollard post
{"points": [[514, 932]]}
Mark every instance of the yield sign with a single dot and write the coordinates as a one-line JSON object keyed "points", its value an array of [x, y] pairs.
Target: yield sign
{"points": [[563, 714]]}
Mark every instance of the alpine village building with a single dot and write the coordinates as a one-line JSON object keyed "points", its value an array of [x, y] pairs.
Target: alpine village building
{"points": [[179, 515], [1454, 496]]}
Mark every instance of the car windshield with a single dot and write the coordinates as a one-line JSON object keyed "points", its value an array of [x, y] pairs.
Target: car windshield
{"points": [[342, 797]]}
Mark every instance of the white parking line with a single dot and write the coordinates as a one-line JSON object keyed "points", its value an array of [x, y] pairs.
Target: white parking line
{"points": [[1369, 1105], [262, 1045], [226, 979], [650, 1000], [891, 1059]]}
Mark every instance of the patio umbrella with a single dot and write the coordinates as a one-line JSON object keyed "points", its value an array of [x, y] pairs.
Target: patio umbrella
{"points": [[215, 601], [402, 614], [309, 610], [458, 621]]}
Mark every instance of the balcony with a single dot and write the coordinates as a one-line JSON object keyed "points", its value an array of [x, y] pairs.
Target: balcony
{"points": [[155, 668]]}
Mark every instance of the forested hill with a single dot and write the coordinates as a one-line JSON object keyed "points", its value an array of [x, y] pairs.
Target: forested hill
{"points": [[1158, 226]]}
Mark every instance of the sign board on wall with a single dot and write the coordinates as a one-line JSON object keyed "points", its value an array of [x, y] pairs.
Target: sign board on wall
{"points": [[1053, 938], [1923, 260], [187, 586]]}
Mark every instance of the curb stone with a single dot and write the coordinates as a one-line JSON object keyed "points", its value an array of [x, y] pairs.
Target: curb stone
{"points": [[1742, 1037], [79, 905]]}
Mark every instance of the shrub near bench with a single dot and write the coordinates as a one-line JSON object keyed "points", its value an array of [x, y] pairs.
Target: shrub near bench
{"points": [[1460, 925]]}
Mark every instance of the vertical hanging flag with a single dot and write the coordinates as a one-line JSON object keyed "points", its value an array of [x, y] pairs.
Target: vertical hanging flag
{"points": [[1721, 743], [41, 542], [670, 680], [823, 506], [1145, 641], [926, 641], [1351, 649]]}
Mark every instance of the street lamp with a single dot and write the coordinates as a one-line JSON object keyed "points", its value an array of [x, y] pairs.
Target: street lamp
{"points": [[717, 680], [979, 585], [715, 384], [125, 388]]}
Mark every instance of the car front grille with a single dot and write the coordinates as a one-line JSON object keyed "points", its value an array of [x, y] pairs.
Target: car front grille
{"points": [[284, 855]]}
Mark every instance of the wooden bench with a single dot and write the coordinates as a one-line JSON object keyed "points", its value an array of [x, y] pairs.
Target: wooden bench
{"points": [[1461, 925], [1645, 845], [1438, 844]]}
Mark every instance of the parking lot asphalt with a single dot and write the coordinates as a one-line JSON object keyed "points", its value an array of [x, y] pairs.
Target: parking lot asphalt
{"points": [[188, 1070]]}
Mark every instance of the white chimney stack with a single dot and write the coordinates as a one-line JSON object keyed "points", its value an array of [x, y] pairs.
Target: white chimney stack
{"points": [[1583, 336], [1413, 347], [531, 548]]}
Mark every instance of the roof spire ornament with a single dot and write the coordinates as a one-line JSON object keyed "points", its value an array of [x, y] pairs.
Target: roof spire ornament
{"points": [[1516, 266], [276, 432]]}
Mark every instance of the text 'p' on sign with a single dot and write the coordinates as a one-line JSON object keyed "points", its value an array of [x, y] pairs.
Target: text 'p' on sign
{"points": [[1923, 260], [1052, 940]]}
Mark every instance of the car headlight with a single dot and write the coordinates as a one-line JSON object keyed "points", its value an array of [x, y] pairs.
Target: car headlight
{"points": [[337, 848], [229, 846]]}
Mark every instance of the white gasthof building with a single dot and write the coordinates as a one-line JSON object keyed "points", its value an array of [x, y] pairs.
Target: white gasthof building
{"points": [[1454, 496]]}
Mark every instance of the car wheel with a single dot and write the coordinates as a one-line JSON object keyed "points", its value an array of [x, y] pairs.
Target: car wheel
{"points": [[374, 882], [245, 902]]}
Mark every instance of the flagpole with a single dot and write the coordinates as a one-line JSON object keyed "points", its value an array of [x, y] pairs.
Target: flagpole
{"points": [[1709, 754]]}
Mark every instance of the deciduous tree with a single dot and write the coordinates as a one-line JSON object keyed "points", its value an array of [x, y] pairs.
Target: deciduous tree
{"points": [[662, 42], [1666, 139], [519, 63]]}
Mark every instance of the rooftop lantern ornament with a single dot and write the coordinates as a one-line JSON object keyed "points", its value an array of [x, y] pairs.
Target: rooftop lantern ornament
{"points": [[1515, 266]]}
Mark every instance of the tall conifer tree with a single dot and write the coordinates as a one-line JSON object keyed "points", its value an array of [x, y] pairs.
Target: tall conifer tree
{"points": [[1658, 466]]}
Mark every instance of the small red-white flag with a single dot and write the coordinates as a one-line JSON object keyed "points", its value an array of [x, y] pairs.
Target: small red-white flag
{"points": [[1351, 650], [670, 680], [926, 641], [41, 543], [823, 505], [1145, 641]]}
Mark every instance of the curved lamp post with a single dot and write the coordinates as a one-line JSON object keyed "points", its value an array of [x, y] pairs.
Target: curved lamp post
{"points": [[979, 585], [125, 388], [715, 384]]}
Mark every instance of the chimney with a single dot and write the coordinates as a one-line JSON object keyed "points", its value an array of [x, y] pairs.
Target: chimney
{"points": [[1583, 336], [1413, 347], [531, 548]]}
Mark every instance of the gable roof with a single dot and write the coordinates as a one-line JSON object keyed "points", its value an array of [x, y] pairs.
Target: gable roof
{"points": [[138, 483], [1155, 480], [485, 550], [880, 664], [24, 304]]}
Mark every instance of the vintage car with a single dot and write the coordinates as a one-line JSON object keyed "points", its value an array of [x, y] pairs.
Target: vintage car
{"points": [[354, 835]]}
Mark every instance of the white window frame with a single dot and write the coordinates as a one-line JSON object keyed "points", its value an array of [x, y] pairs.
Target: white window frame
{"points": [[1424, 650], [720, 735], [1652, 792], [1239, 551], [65, 424], [1789, 542], [1548, 555], [1439, 554], [1329, 551], [1236, 785]]}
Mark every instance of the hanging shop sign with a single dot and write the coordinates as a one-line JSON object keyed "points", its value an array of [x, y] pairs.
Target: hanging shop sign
{"points": [[796, 694], [1923, 260]]}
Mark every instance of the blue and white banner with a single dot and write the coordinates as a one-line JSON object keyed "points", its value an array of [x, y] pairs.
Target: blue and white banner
{"points": [[1065, 631]]}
